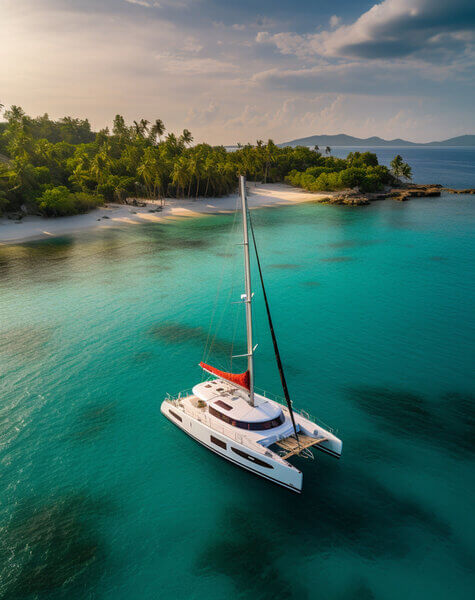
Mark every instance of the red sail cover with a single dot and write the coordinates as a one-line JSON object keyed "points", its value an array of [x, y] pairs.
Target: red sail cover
{"points": [[241, 379]]}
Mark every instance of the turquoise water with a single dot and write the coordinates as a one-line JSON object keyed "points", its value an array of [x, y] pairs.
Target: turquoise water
{"points": [[101, 497]]}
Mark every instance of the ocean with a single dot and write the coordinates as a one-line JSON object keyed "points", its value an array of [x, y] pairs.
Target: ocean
{"points": [[103, 498], [450, 167]]}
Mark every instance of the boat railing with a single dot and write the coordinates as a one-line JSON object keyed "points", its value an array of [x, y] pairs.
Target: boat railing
{"points": [[179, 396], [203, 417], [275, 397], [303, 413]]}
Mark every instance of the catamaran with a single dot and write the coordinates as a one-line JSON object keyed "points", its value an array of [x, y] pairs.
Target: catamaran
{"points": [[227, 414]]}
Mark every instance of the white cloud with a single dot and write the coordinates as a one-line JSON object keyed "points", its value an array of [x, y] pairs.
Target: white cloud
{"points": [[215, 79], [287, 43], [145, 3], [204, 116], [191, 44], [357, 78], [391, 29], [334, 21], [176, 64]]}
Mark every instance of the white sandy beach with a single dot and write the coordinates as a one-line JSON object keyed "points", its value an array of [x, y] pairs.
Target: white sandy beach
{"points": [[113, 215]]}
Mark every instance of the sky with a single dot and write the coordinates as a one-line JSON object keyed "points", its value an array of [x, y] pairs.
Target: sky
{"points": [[240, 70]]}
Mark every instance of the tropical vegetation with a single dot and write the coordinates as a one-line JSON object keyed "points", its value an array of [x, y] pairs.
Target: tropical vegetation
{"points": [[63, 167], [400, 169], [358, 170]]}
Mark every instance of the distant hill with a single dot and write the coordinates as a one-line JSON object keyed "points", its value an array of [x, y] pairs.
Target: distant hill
{"points": [[461, 140], [342, 139]]}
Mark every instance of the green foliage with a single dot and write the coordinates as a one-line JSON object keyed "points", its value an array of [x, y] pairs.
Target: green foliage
{"points": [[61, 167], [59, 202], [359, 170], [400, 169], [362, 159]]}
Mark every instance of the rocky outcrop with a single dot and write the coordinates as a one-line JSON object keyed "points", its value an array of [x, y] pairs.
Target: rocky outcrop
{"points": [[465, 191], [402, 193], [408, 191], [135, 202], [346, 198]]}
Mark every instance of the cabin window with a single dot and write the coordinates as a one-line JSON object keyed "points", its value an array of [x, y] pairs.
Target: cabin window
{"points": [[223, 405], [259, 426], [175, 415], [218, 442], [251, 458]]}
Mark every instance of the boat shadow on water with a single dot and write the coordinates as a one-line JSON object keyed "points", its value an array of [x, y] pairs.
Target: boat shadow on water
{"points": [[92, 420], [172, 332], [51, 547], [446, 422], [344, 509]]}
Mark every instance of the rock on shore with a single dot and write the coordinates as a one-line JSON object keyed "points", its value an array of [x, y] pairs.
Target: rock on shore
{"points": [[401, 194], [466, 191]]}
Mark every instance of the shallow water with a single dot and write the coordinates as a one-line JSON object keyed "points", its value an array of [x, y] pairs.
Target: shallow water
{"points": [[103, 498]]}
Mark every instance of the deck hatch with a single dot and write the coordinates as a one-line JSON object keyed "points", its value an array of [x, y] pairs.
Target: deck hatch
{"points": [[223, 405]]}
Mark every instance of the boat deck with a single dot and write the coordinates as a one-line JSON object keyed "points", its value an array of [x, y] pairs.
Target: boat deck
{"points": [[197, 403], [292, 446]]}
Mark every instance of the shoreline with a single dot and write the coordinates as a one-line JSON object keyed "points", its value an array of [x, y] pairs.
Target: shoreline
{"points": [[32, 228], [260, 195]]}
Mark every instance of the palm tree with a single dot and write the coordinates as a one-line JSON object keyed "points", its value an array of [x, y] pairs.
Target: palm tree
{"points": [[270, 155], [180, 175], [144, 125], [121, 129], [316, 148], [157, 130], [192, 171], [15, 114], [141, 127], [172, 145], [147, 170], [406, 171], [186, 137], [101, 163], [397, 165], [209, 169], [328, 150]]}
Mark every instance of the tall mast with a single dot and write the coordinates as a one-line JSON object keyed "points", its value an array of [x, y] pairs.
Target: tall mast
{"points": [[248, 294]]}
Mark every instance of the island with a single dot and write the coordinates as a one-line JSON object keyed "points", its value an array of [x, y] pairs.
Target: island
{"points": [[60, 168], [341, 139]]}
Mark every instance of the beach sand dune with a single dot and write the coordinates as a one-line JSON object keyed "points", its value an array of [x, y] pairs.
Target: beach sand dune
{"points": [[259, 195]]}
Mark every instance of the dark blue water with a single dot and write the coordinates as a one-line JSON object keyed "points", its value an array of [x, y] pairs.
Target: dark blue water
{"points": [[451, 167], [103, 498]]}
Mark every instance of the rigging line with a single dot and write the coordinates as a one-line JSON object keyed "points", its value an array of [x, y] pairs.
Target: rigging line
{"points": [[230, 293], [274, 339], [206, 349]]}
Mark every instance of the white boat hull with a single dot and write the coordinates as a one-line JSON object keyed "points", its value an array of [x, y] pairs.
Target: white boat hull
{"points": [[260, 463]]}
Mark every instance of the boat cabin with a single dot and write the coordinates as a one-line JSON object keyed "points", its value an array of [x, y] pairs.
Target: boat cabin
{"points": [[228, 403]]}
